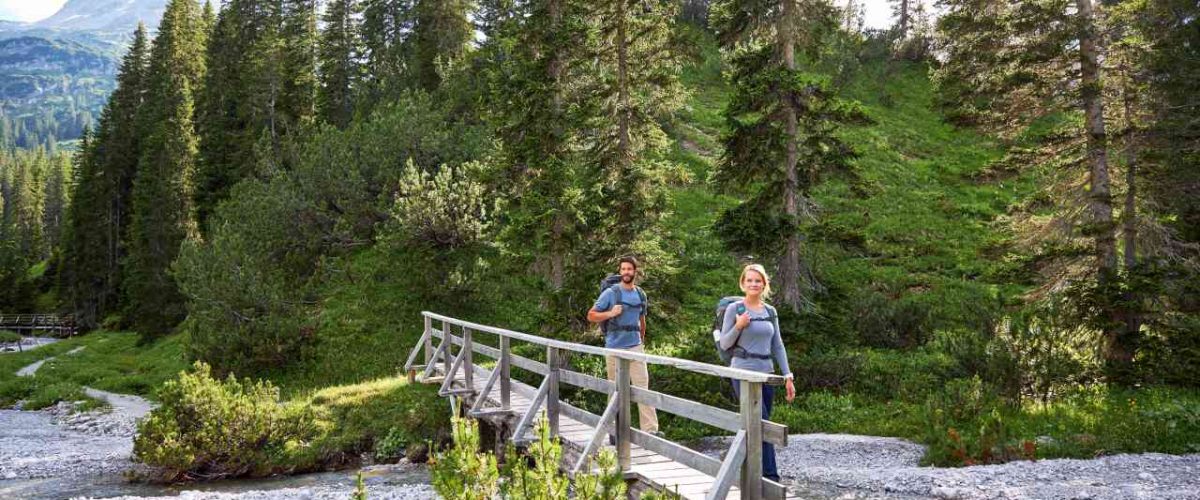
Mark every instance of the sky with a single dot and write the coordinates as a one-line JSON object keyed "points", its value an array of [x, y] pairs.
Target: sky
{"points": [[879, 14], [29, 10]]}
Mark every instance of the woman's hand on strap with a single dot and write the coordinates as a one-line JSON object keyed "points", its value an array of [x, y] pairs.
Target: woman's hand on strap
{"points": [[742, 321]]}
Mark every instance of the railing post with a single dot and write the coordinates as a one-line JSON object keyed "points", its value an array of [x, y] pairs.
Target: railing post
{"points": [[505, 380], [752, 467], [468, 365], [552, 356], [624, 429], [449, 348], [428, 340]]}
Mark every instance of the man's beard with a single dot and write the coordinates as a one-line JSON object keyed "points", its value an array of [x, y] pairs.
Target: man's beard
{"points": [[626, 279]]}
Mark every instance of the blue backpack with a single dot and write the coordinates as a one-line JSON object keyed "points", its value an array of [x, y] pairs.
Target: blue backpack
{"points": [[613, 282], [727, 355]]}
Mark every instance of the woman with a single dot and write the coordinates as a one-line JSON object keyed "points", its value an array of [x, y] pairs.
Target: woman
{"points": [[751, 332]]}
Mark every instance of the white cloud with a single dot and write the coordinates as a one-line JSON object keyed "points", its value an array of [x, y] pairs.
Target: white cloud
{"points": [[28, 10]]}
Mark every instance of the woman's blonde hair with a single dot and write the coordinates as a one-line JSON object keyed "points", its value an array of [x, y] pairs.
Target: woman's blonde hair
{"points": [[758, 268]]}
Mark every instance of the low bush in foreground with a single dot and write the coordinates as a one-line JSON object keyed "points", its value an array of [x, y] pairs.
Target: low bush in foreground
{"points": [[463, 472], [208, 428]]}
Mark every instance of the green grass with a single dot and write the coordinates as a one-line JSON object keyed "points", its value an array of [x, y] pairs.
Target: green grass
{"points": [[116, 362], [38, 391]]}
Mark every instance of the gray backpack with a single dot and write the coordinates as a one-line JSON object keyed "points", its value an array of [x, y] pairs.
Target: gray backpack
{"points": [[727, 355]]}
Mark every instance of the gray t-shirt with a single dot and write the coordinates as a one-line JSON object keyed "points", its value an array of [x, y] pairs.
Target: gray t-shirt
{"points": [[624, 331], [761, 338]]}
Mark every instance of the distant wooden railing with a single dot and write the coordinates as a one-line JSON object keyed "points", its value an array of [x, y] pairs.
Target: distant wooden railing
{"points": [[38, 322], [742, 464]]}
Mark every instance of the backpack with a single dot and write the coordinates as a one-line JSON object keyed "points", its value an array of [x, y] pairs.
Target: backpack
{"points": [[727, 355], [613, 282]]}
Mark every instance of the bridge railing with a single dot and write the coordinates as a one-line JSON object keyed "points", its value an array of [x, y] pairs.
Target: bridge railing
{"points": [[33, 322], [742, 464]]}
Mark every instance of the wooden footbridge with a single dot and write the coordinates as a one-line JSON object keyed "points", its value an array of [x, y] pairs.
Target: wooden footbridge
{"points": [[33, 324], [648, 461]]}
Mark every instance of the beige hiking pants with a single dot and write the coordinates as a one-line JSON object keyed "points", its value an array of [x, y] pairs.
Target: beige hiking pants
{"points": [[647, 418]]}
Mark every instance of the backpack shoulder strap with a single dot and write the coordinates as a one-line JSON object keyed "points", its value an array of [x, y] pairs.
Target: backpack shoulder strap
{"points": [[641, 295], [616, 293], [738, 339]]}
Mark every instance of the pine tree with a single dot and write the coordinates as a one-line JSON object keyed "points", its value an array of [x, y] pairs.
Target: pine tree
{"points": [[386, 27], [535, 48], [781, 141], [1173, 76], [340, 70], [1029, 60], [26, 205], [57, 199], [441, 35], [636, 84], [298, 95], [98, 220], [163, 211]]}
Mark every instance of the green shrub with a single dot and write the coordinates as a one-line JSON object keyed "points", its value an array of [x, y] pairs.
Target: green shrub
{"points": [[15, 389], [207, 428], [887, 323], [902, 375], [7, 337], [464, 473], [966, 426], [827, 370]]}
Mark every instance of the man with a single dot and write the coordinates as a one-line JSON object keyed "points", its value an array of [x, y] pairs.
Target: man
{"points": [[624, 308]]}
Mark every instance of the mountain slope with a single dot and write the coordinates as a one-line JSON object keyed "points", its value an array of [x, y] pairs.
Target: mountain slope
{"points": [[105, 15]]}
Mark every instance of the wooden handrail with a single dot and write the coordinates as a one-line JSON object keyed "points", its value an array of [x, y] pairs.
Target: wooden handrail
{"points": [[683, 364], [742, 466]]}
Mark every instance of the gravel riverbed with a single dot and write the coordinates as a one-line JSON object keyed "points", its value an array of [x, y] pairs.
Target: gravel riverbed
{"points": [[860, 467]]}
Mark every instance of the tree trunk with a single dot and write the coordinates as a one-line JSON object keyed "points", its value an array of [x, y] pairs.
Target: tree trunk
{"points": [[1118, 354], [623, 118], [789, 265], [554, 72], [903, 19], [1132, 319]]}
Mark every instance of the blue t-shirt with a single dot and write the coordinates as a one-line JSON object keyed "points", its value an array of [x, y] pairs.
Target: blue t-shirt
{"points": [[624, 331]]}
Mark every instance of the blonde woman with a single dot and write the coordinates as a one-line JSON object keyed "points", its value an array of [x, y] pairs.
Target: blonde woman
{"points": [[751, 332]]}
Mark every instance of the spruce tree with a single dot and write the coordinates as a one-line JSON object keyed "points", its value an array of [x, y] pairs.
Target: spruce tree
{"points": [[441, 35], [222, 111], [99, 216], [26, 205], [259, 93], [57, 199], [1173, 76], [536, 47], [1030, 60], [636, 84], [781, 140], [386, 28], [340, 70], [299, 65], [163, 211]]}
